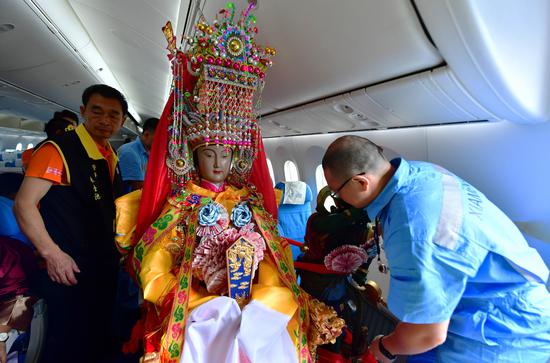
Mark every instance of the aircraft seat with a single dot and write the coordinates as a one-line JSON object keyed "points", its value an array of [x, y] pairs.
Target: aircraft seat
{"points": [[294, 211]]}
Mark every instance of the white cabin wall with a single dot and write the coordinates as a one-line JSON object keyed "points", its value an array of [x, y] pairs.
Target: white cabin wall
{"points": [[509, 163], [11, 141]]}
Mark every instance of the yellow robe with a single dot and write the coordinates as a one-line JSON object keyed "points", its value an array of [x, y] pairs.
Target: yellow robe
{"points": [[161, 258]]}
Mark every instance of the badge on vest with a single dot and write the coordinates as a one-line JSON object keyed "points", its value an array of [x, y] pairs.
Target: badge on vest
{"points": [[93, 180]]}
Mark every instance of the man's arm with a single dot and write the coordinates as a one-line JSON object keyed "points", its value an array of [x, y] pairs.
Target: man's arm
{"points": [[409, 339], [61, 266], [130, 168]]}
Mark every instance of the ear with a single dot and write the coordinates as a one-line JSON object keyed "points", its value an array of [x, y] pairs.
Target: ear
{"points": [[82, 109], [363, 181]]}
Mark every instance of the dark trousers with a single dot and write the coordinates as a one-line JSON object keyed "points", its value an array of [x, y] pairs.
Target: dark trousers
{"points": [[79, 320]]}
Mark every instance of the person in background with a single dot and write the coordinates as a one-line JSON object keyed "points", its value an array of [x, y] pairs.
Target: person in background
{"points": [[462, 277], [134, 155], [9, 185], [61, 122], [17, 261], [74, 178]]}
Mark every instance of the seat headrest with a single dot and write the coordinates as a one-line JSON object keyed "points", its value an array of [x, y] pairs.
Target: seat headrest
{"points": [[294, 192]]}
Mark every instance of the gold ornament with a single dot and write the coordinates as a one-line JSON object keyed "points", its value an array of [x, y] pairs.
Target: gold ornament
{"points": [[235, 46]]}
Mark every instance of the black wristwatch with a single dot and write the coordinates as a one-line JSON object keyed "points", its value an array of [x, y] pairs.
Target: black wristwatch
{"points": [[384, 351]]}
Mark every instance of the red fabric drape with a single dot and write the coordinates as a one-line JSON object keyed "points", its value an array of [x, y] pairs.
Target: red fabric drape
{"points": [[157, 185], [259, 176]]}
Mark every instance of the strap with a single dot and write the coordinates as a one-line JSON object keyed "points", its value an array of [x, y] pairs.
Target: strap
{"points": [[384, 351]]}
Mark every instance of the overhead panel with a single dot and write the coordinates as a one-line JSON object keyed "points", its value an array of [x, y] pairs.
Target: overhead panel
{"points": [[499, 50], [327, 47], [427, 98], [424, 99], [34, 52], [128, 35], [15, 102]]}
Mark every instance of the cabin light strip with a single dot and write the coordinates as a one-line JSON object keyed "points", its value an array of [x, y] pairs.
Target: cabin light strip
{"points": [[88, 55]]}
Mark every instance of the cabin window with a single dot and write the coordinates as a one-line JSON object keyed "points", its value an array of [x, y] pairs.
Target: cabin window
{"points": [[320, 180], [271, 174], [30, 145], [291, 171], [19, 147]]}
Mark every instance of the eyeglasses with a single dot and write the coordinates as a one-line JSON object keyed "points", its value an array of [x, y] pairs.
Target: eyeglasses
{"points": [[334, 194]]}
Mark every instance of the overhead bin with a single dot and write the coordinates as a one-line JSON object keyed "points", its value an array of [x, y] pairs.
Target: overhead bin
{"points": [[19, 104], [35, 59], [427, 98], [328, 47], [499, 50]]}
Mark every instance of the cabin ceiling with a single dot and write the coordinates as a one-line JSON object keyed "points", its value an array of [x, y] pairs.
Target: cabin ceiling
{"points": [[340, 66], [324, 47]]}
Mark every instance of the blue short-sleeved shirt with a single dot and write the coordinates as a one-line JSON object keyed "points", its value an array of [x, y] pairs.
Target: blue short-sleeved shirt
{"points": [[454, 255], [132, 159]]}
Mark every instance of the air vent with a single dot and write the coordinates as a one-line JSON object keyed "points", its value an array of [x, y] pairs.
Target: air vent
{"points": [[357, 116], [69, 84], [4, 28], [341, 108]]}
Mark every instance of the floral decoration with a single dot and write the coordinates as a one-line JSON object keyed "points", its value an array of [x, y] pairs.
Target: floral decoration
{"points": [[213, 219], [345, 259], [192, 199], [241, 215]]}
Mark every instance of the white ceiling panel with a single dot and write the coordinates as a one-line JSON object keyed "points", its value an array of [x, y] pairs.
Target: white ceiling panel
{"points": [[29, 44], [328, 47], [128, 35], [38, 61], [499, 49]]}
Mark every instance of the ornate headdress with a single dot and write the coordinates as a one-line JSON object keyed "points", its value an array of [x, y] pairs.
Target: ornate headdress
{"points": [[205, 106], [227, 69]]}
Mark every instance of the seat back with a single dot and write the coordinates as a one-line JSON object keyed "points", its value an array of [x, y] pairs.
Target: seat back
{"points": [[294, 211]]}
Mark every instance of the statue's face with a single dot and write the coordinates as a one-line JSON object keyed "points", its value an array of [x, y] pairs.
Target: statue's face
{"points": [[214, 162]]}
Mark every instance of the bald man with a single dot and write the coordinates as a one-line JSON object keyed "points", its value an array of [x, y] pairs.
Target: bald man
{"points": [[462, 277]]}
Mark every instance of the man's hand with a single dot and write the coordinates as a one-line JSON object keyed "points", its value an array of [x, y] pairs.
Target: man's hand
{"points": [[61, 267]]}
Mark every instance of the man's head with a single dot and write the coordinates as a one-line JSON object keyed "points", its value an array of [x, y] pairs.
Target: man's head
{"points": [[354, 169], [149, 127], [61, 122], [68, 116], [104, 110]]}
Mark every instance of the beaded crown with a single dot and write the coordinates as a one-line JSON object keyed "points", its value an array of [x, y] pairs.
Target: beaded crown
{"points": [[229, 70]]}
